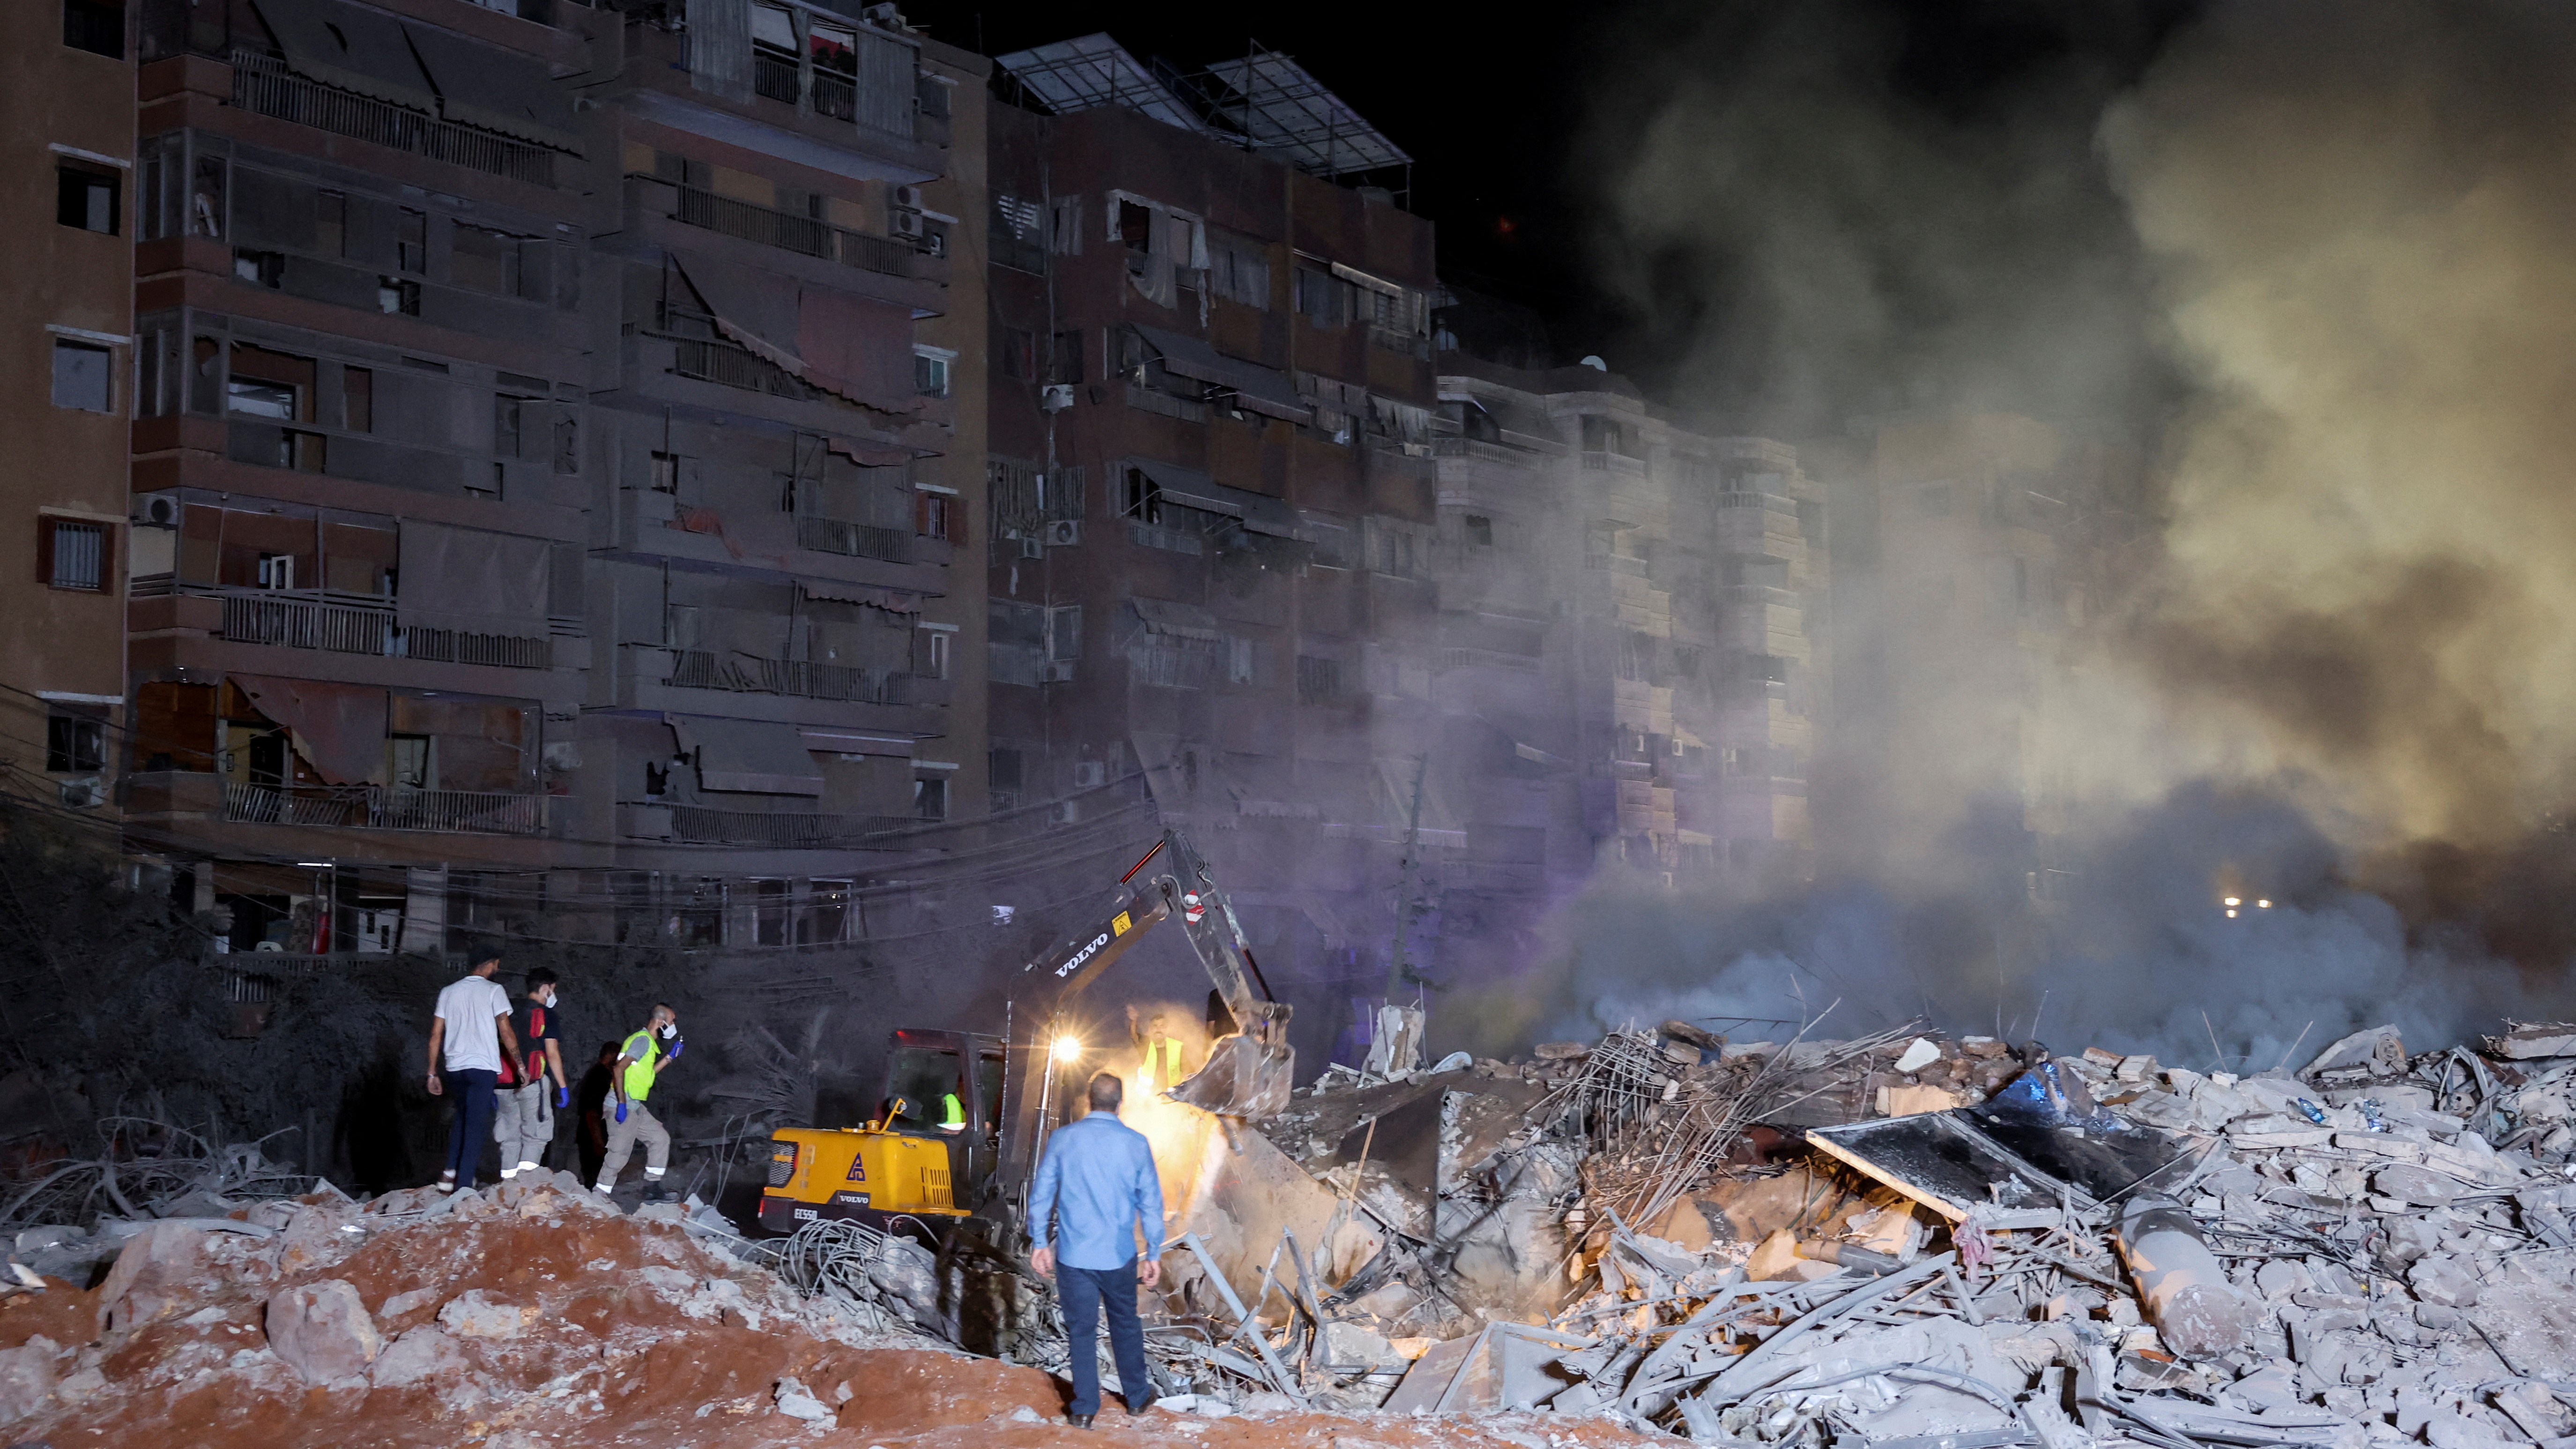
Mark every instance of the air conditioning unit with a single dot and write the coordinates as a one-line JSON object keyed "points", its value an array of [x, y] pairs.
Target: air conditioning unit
{"points": [[1063, 532], [906, 198], [1032, 546], [1067, 811], [158, 510], [1056, 672], [1090, 774], [1055, 397], [906, 223], [81, 794]]}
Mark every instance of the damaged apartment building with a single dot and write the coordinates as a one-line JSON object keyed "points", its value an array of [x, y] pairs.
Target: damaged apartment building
{"points": [[1214, 500], [1413, 639], [546, 463]]}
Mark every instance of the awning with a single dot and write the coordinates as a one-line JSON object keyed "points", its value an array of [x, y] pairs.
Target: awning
{"points": [[1397, 777], [1258, 388], [339, 729], [465, 578], [759, 757], [1190, 488], [754, 309], [849, 742], [351, 48], [858, 347], [1358, 278], [1185, 621], [893, 601], [495, 89], [869, 454]]}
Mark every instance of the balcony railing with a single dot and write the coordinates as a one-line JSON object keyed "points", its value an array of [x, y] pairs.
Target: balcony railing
{"points": [[787, 231], [385, 807], [1410, 344], [699, 824], [263, 84], [774, 76], [800, 678], [1598, 461], [853, 540], [730, 366], [260, 616]]}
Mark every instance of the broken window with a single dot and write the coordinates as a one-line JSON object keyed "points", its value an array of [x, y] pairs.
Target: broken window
{"points": [[1239, 270], [265, 384], [260, 269], [1480, 530], [74, 744], [484, 259], [206, 213], [1323, 298], [398, 296], [84, 376], [75, 555], [85, 197], [930, 797]]}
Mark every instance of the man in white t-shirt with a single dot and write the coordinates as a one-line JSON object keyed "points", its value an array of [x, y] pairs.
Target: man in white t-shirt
{"points": [[466, 1038]]}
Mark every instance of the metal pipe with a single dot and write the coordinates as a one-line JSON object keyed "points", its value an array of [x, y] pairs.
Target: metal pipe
{"points": [[2181, 1287]]}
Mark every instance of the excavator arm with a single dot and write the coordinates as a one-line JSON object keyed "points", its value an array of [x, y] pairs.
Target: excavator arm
{"points": [[1248, 1072]]}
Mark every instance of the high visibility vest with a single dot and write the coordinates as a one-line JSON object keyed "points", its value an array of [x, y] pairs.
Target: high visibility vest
{"points": [[639, 1072], [952, 1114], [1163, 1061]]}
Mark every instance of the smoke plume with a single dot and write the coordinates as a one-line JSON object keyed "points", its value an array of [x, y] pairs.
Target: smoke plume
{"points": [[2307, 263]]}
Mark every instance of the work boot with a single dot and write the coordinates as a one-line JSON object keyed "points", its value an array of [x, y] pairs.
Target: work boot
{"points": [[1137, 1408], [655, 1192], [1079, 1421]]}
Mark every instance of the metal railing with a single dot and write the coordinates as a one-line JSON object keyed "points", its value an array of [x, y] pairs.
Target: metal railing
{"points": [[260, 616], [801, 678], [1409, 344], [385, 807], [774, 76], [805, 235], [836, 96], [724, 364], [699, 824], [263, 84], [853, 540]]}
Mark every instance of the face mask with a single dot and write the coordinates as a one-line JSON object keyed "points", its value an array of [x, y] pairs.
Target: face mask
{"points": [[554, 998], [669, 1031]]}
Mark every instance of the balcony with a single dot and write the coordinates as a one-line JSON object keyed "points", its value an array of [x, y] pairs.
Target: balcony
{"points": [[747, 221], [345, 625], [698, 824], [853, 540], [384, 807], [798, 678], [1619, 463], [263, 84]]}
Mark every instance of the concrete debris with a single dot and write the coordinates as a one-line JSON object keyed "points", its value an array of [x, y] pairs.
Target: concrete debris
{"points": [[322, 1331]]}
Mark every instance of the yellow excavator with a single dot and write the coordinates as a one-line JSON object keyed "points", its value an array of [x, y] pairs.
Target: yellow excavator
{"points": [[964, 1113]]}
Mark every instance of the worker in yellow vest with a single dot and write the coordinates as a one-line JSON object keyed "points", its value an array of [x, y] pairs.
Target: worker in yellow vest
{"points": [[1158, 1054], [640, 1064]]}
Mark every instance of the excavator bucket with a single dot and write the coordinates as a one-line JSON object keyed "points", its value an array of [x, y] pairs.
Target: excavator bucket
{"points": [[1245, 1076]]}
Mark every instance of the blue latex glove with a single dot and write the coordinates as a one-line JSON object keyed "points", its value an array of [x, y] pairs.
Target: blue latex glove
{"points": [[673, 1054], [563, 1098], [621, 1111]]}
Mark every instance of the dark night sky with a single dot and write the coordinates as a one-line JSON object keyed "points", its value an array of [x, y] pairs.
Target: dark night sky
{"points": [[1505, 117]]}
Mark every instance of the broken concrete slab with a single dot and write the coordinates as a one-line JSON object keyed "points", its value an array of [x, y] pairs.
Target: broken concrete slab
{"points": [[322, 1331], [2532, 1041]]}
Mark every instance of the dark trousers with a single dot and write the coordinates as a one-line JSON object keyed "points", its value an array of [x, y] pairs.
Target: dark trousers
{"points": [[471, 1091], [1084, 1292]]}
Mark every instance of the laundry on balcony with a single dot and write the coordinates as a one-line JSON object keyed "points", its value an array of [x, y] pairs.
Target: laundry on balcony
{"points": [[759, 757], [339, 729]]}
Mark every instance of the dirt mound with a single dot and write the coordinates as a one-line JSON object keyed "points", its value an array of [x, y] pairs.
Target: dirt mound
{"points": [[531, 1317]]}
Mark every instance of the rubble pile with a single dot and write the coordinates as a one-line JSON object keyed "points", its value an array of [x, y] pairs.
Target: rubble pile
{"points": [[1960, 1244]]}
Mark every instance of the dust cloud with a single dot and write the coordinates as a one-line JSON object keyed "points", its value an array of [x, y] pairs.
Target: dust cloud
{"points": [[2308, 263]]}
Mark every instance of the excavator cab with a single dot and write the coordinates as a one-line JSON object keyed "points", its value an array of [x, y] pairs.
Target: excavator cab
{"points": [[929, 1153]]}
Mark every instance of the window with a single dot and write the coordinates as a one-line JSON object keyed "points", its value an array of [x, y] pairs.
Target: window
{"points": [[486, 260], [932, 514], [507, 414], [666, 472], [1238, 660], [935, 644], [930, 798], [1019, 353], [277, 571], [1002, 768], [1065, 237], [262, 269], [411, 242], [1238, 271], [1319, 681], [930, 371], [75, 745], [398, 296], [1066, 366], [358, 399], [267, 384], [75, 555], [206, 213], [86, 198], [1606, 435], [83, 377], [94, 27], [1064, 633], [331, 223], [1480, 530], [567, 441], [407, 762], [1323, 297]]}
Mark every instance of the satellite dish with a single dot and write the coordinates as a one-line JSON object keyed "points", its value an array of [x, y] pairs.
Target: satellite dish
{"points": [[1595, 363]]}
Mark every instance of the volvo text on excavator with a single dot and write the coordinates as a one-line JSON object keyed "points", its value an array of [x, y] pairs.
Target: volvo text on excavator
{"points": [[956, 1142]]}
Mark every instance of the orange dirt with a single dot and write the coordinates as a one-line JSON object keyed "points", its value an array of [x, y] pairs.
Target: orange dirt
{"points": [[609, 1360]]}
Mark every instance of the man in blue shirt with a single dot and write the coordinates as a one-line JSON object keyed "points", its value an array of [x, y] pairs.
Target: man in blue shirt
{"points": [[1096, 1187]]}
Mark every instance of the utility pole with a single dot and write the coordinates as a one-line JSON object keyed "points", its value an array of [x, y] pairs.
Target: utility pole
{"points": [[1397, 968]]}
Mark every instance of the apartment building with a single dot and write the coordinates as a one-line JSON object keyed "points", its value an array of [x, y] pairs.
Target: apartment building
{"points": [[66, 88], [529, 467], [1632, 617], [1213, 497]]}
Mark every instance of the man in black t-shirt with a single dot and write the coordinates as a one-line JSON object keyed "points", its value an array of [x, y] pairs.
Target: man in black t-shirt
{"points": [[532, 1083], [592, 1096]]}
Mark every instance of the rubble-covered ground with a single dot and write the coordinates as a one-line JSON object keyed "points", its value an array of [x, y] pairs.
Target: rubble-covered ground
{"points": [[1908, 1241]]}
